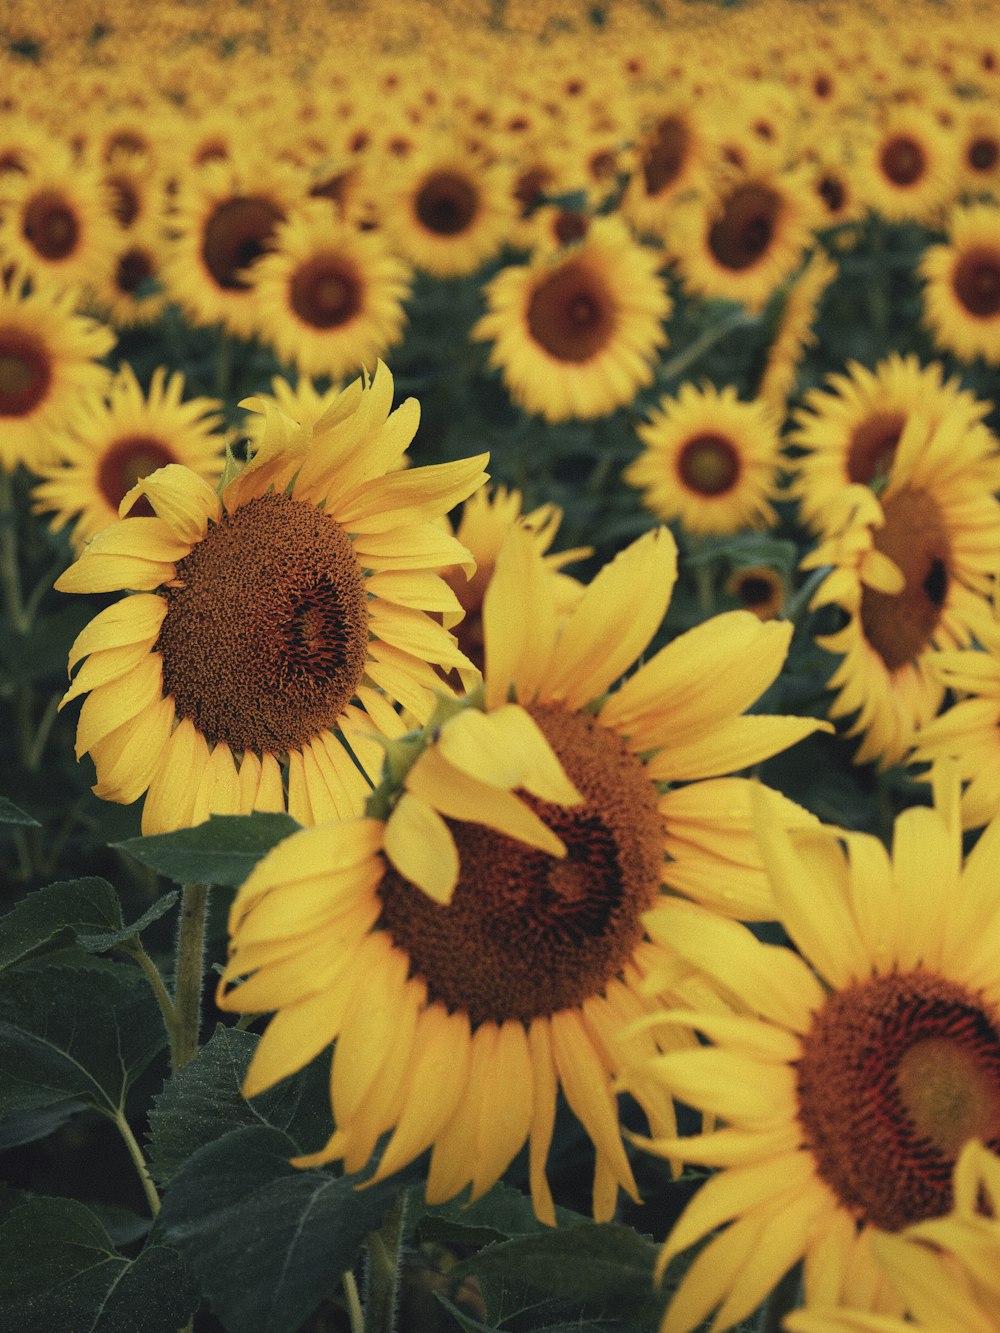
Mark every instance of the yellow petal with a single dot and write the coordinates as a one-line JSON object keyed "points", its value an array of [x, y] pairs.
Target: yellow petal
{"points": [[414, 496], [507, 1108], [729, 746], [126, 759], [103, 666], [181, 498], [543, 1117], [170, 800], [420, 846], [506, 748], [131, 620], [369, 1021], [111, 705], [294, 1036], [519, 620]]}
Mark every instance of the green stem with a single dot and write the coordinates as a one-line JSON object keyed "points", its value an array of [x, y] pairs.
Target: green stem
{"points": [[385, 1248], [135, 1152], [36, 747], [10, 573], [796, 608], [187, 987], [354, 1311], [681, 363], [133, 947], [782, 1300]]}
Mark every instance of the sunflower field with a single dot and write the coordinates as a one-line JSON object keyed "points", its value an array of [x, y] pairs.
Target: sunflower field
{"points": [[499, 666]]}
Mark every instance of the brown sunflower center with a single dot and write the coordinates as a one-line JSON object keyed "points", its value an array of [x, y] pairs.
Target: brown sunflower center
{"points": [[50, 225], [745, 229], [527, 934], [571, 314], [237, 232], [873, 446], [530, 186], [903, 160], [832, 192], [896, 1074], [914, 535], [125, 199], [983, 153], [709, 464], [132, 269], [665, 155], [127, 461], [760, 593], [976, 281], [325, 291], [266, 633], [446, 203], [25, 372], [569, 227]]}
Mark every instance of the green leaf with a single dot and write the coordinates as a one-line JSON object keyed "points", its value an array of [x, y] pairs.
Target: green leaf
{"points": [[203, 1101], [10, 814], [60, 1270], [221, 851], [499, 1215], [267, 1241], [74, 1034], [100, 940]]}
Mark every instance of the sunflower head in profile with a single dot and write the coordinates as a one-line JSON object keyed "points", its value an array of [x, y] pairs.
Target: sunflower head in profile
{"points": [[50, 361], [913, 570], [273, 625], [575, 333], [710, 460], [330, 297], [962, 285], [863, 1062], [109, 443], [488, 944], [795, 331], [671, 158], [448, 211]]}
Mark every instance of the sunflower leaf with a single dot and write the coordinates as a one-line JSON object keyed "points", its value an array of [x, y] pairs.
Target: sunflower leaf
{"points": [[11, 814], [59, 1269], [221, 851], [266, 1240]]}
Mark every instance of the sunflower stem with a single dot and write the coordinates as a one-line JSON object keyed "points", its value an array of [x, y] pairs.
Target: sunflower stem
{"points": [[782, 1300], [187, 986], [133, 947], [385, 1252], [135, 1152], [10, 572], [681, 363], [355, 1314], [799, 604]]}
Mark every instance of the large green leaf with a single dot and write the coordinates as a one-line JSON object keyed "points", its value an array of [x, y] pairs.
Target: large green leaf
{"points": [[203, 1101], [223, 850], [266, 1241], [498, 1215], [60, 1270], [86, 911], [74, 1032]]}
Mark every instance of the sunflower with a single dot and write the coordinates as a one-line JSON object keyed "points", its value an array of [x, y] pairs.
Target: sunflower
{"points": [[130, 294], [448, 211], [49, 362], [758, 588], [906, 167], [710, 460], [851, 428], [795, 331], [912, 571], [262, 614], [672, 154], [962, 292], [861, 1063], [947, 1270], [224, 217], [978, 135], [57, 222], [107, 444], [575, 334], [741, 241], [496, 952], [329, 297]]}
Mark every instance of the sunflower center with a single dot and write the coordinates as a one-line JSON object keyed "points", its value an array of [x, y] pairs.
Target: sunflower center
{"points": [[325, 291], [977, 282], [570, 227], [758, 592], [527, 934], [833, 194], [903, 160], [530, 187], [896, 1074], [25, 373], [709, 464], [571, 314], [127, 461], [983, 154], [744, 231], [446, 203], [126, 199], [914, 535], [665, 155], [51, 225], [266, 633], [132, 270], [873, 446], [237, 232]]}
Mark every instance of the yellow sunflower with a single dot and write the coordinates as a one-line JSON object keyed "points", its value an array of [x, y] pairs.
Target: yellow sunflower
{"points": [[962, 291], [329, 297], [130, 293], [741, 241], [672, 155], [710, 460], [795, 331], [575, 334], [851, 428], [49, 362], [912, 570], [947, 1270], [107, 444], [448, 211], [758, 588], [263, 614], [861, 1063], [906, 167], [978, 134], [497, 951]]}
